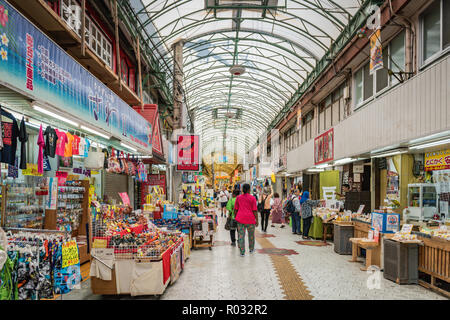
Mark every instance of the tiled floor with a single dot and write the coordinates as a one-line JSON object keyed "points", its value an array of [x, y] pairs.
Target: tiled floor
{"points": [[222, 274]]}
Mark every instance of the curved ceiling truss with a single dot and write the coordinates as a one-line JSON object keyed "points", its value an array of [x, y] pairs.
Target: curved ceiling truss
{"points": [[279, 42]]}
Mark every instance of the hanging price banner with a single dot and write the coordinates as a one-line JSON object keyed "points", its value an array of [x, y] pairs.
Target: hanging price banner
{"points": [[70, 255]]}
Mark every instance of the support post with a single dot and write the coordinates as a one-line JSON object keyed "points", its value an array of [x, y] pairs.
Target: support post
{"points": [[116, 27], [83, 28], [139, 72]]}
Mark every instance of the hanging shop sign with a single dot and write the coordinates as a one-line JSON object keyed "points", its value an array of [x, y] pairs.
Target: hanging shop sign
{"points": [[33, 64], [324, 147], [438, 160], [188, 152]]}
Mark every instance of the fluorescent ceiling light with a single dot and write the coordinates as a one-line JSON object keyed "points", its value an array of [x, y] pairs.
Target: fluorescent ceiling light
{"points": [[95, 132], [430, 144], [33, 125], [127, 146], [322, 166], [384, 149], [315, 170], [433, 136], [344, 161], [54, 115], [391, 153]]}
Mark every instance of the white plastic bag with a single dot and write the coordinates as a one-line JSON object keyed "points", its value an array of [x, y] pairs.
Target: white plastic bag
{"points": [[94, 160]]}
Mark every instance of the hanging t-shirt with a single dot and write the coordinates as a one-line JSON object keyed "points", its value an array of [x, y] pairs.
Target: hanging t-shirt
{"points": [[50, 142], [23, 137], [76, 145], [41, 144], [69, 145], [10, 132], [61, 143], [87, 145], [81, 146]]}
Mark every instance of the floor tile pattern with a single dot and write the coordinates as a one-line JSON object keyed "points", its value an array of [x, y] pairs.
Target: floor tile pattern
{"points": [[316, 272]]}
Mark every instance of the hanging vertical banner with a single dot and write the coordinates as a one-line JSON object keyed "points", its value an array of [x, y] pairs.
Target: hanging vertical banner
{"points": [[188, 152], [376, 52], [299, 119], [324, 147]]}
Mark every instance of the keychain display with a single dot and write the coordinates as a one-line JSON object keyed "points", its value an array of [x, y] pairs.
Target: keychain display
{"points": [[69, 211]]}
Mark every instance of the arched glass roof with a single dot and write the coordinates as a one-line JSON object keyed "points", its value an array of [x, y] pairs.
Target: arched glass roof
{"points": [[279, 42]]}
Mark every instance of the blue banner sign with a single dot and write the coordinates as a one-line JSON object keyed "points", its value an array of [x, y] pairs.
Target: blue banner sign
{"points": [[36, 66]]}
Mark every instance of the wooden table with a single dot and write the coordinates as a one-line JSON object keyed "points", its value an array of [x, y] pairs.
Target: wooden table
{"points": [[327, 224], [372, 254]]}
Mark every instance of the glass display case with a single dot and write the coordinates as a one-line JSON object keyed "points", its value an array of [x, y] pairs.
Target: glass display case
{"points": [[422, 201], [25, 205]]}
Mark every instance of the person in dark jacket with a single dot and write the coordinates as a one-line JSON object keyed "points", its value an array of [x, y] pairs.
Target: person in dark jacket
{"points": [[306, 209]]}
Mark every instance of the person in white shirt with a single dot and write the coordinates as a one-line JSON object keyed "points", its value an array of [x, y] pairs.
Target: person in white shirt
{"points": [[224, 196]]}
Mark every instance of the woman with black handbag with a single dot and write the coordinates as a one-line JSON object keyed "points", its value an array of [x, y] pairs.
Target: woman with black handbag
{"points": [[231, 223]]}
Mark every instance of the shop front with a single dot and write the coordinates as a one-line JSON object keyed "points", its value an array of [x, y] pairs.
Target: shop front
{"points": [[68, 141]]}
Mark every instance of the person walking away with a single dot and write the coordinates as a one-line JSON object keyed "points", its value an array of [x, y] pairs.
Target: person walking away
{"points": [[296, 214], [232, 216], [223, 199], [246, 218], [264, 207], [277, 210], [306, 206]]}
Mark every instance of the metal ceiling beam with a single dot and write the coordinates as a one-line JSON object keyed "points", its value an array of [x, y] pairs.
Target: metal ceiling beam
{"points": [[246, 80], [265, 73], [214, 41]]}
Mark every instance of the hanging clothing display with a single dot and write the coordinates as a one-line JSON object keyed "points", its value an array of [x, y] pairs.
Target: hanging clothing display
{"points": [[68, 152], [61, 143], [76, 145], [41, 144], [51, 139], [23, 137], [10, 133], [37, 267]]}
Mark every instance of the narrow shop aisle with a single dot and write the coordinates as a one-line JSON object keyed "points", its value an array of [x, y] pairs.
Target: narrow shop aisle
{"points": [[279, 269]]}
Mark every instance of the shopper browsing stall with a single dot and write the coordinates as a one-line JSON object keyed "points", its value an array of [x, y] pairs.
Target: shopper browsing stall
{"points": [[306, 212], [295, 216], [247, 219]]}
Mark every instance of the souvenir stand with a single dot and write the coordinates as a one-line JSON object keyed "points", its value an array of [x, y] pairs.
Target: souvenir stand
{"points": [[434, 258], [130, 255]]}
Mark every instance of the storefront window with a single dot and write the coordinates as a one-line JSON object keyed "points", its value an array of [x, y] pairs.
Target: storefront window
{"points": [[358, 86], [397, 55], [393, 59], [435, 29]]}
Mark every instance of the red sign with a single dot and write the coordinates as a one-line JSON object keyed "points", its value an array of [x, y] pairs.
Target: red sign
{"points": [[324, 147], [188, 153]]}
